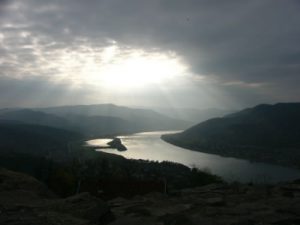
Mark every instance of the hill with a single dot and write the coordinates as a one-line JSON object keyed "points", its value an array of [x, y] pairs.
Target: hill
{"points": [[34, 139], [29, 116], [194, 115], [268, 133], [136, 119], [86, 125], [94, 120], [92, 126]]}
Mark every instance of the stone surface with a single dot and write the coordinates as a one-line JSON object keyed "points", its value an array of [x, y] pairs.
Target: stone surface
{"points": [[84, 206], [231, 204], [25, 201]]}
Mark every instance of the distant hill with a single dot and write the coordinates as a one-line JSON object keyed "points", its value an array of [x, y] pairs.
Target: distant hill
{"points": [[269, 133], [101, 125], [134, 119], [29, 116], [194, 115], [34, 139], [87, 125], [95, 120]]}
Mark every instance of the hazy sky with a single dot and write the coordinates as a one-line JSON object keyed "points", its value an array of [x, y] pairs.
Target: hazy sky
{"points": [[188, 53]]}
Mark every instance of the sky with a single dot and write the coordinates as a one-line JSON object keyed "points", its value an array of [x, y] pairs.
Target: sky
{"points": [[162, 53]]}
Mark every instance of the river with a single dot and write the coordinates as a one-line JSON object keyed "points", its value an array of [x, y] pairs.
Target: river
{"points": [[149, 146]]}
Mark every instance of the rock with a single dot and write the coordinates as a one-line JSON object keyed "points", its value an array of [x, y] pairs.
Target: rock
{"points": [[116, 143], [218, 201], [175, 219], [117, 201], [18, 188], [40, 218], [209, 205], [129, 220], [84, 206], [13, 181], [24, 200]]}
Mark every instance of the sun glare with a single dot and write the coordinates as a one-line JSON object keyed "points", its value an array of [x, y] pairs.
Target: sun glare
{"points": [[113, 66], [133, 69], [140, 70]]}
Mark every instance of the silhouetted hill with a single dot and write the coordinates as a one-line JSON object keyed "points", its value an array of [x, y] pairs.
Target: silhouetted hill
{"points": [[87, 125], [137, 119], [266, 133], [94, 120], [101, 125], [194, 115], [29, 116], [34, 139]]}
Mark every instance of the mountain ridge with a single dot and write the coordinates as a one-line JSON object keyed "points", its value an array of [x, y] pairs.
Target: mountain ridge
{"points": [[95, 120], [267, 133]]}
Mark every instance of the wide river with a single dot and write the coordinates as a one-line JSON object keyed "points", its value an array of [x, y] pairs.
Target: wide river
{"points": [[148, 145]]}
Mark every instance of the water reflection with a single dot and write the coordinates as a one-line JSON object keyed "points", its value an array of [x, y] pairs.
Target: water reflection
{"points": [[148, 145], [99, 142]]}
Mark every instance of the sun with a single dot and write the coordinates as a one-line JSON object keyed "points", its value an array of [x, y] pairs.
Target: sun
{"points": [[109, 67], [134, 69], [141, 70]]}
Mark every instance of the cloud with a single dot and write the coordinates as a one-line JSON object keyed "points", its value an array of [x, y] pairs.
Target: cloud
{"points": [[38, 91], [251, 45]]}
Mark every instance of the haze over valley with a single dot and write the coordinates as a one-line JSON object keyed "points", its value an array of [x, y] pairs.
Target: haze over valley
{"points": [[157, 112]]}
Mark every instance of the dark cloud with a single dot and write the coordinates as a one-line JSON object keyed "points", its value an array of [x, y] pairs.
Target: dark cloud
{"points": [[242, 42], [219, 37], [36, 91]]}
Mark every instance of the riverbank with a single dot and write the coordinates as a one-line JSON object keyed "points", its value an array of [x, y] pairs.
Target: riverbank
{"points": [[149, 146], [282, 157]]}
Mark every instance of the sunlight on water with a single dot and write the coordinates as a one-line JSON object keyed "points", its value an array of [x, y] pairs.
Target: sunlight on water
{"points": [[99, 142], [149, 146]]}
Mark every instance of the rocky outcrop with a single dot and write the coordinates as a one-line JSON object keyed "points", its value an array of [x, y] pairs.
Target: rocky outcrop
{"points": [[20, 186], [223, 204], [24, 200]]}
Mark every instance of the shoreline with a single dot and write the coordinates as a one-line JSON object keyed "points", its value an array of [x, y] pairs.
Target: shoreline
{"points": [[228, 155]]}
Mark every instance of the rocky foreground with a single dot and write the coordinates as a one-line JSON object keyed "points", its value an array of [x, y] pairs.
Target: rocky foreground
{"points": [[26, 201]]}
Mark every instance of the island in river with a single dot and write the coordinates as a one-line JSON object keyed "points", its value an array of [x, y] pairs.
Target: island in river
{"points": [[149, 146], [107, 143], [117, 144]]}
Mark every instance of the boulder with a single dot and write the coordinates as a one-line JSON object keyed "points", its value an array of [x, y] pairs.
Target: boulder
{"points": [[217, 201], [84, 206], [24, 200], [14, 181]]}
